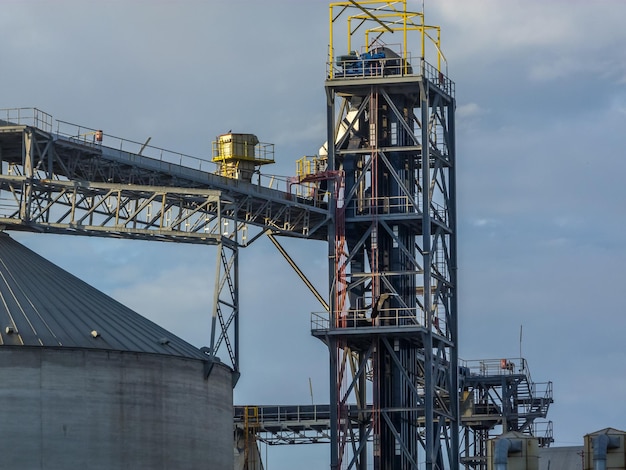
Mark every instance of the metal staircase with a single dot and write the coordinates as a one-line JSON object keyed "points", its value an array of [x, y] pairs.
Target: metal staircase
{"points": [[499, 396]]}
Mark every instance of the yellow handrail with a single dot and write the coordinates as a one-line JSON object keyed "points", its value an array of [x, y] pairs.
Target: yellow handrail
{"points": [[388, 17]]}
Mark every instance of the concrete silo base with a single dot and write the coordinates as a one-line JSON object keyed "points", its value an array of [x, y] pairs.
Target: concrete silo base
{"points": [[92, 409]]}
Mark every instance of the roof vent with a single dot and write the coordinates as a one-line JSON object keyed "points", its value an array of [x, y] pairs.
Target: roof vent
{"points": [[94, 333], [9, 330], [164, 341]]}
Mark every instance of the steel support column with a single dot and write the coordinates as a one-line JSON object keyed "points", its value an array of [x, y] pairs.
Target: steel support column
{"points": [[225, 318], [393, 257], [393, 275]]}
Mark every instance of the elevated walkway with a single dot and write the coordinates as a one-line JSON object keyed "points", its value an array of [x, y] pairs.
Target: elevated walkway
{"points": [[501, 392], [36, 147], [58, 177], [292, 424], [497, 396]]}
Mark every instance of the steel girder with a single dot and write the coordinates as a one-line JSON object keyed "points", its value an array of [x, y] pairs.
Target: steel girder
{"points": [[39, 195], [225, 319], [392, 327], [499, 396], [45, 193], [45, 157]]}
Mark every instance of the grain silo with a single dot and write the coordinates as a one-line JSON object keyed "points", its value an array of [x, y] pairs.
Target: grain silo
{"points": [[88, 383]]}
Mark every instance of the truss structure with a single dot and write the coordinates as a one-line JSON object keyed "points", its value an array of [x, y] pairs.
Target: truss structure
{"points": [[499, 396], [392, 326], [60, 178], [383, 198]]}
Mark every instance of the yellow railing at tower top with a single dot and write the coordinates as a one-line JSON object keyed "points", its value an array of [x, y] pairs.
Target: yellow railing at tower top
{"points": [[377, 20]]}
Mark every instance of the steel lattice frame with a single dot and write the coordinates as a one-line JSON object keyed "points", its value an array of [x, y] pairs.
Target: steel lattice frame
{"points": [[49, 190], [393, 316], [392, 323], [499, 396]]}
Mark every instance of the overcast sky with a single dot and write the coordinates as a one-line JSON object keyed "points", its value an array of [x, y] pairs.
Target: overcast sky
{"points": [[541, 120]]}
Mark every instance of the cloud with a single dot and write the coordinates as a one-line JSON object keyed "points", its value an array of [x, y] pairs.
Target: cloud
{"points": [[555, 69], [469, 110], [488, 30], [176, 299], [618, 104], [540, 165], [484, 222]]}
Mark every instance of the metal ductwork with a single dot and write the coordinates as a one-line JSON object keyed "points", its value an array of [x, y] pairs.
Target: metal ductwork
{"points": [[513, 451], [605, 450], [502, 449]]}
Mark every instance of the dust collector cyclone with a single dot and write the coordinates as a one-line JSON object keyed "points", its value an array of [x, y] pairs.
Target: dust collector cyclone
{"points": [[89, 384]]}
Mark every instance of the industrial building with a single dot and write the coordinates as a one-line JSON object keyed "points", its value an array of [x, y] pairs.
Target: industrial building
{"points": [[92, 384], [97, 386]]}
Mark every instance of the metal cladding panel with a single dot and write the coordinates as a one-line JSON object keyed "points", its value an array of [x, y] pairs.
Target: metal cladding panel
{"points": [[108, 410], [561, 458], [44, 305]]}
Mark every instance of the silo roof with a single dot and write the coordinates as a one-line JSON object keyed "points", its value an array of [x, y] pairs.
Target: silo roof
{"points": [[44, 305]]}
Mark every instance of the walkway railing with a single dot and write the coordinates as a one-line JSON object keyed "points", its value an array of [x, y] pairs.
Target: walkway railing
{"points": [[96, 138], [373, 66], [363, 318], [27, 117]]}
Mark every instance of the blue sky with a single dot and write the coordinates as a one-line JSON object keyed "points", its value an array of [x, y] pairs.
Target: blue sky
{"points": [[541, 120]]}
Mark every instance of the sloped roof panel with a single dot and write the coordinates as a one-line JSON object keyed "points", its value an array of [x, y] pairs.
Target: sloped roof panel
{"points": [[44, 305]]}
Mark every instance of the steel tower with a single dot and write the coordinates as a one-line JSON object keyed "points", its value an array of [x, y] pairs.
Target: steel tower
{"points": [[392, 325]]}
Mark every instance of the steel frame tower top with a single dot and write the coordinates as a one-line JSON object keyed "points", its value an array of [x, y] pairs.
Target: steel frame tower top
{"points": [[392, 324], [377, 21]]}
